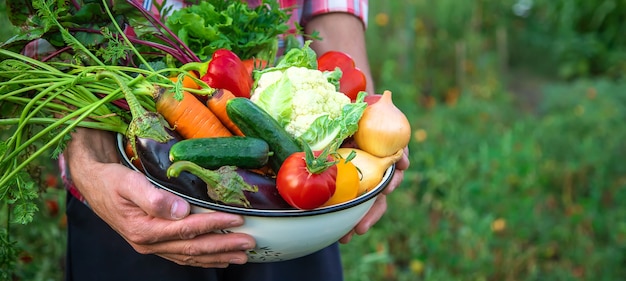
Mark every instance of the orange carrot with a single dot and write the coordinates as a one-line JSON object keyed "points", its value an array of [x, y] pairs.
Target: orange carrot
{"points": [[254, 64], [189, 116], [217, 105], [130, 153], [188, 82]]}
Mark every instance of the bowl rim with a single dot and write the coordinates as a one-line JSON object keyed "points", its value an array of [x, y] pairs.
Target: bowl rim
{"points": [[386, 179]]}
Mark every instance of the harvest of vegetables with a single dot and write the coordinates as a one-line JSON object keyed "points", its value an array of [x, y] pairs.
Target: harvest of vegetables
{"points": [[195, 120]]}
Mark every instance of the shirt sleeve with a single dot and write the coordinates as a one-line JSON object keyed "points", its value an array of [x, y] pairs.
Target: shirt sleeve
{"points": [[312, 8]]}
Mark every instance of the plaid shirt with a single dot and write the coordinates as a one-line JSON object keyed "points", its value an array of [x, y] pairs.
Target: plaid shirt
{"points": [[303, 11]]}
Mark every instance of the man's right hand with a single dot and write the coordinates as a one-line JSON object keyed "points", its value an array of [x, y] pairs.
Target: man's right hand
{"points": [[151, 220]]}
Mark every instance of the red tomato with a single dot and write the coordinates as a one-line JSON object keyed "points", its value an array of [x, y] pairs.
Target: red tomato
{"points": [[352, 82], [372, 99], [300, 187], [352, 79], [332, 59]]}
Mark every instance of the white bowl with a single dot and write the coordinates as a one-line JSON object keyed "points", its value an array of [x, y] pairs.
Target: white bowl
{"points": [[288, 234]]}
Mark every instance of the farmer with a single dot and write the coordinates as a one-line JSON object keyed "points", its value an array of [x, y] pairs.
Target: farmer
{"points": [[120, 227]]}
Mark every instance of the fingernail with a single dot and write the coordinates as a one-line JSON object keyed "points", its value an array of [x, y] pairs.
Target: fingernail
{"points": [[245, 246], [236, 261], [237, 221], [179, 210]]}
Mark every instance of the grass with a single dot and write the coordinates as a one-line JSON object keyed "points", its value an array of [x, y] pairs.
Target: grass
{"points": [[495, 193], [513, 177]]}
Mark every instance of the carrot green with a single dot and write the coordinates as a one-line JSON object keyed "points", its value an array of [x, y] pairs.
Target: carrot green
{"points": [[44, 100]]}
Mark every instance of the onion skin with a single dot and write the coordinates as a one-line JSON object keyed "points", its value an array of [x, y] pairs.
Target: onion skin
{"points": [[383, 128]]}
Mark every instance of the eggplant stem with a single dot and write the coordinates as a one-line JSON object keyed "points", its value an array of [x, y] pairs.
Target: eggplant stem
{"points": [[223, 185], [144, 124]]}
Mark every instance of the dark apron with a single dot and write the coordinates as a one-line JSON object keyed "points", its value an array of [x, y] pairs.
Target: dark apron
{"points": [[96, 252]]}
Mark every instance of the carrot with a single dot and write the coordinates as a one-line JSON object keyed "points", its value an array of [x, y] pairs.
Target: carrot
{"points": [[189, 116], [188, 82], [130, 153], [217, 105], [254, 64]]}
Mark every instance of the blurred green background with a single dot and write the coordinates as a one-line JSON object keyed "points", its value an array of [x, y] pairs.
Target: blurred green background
{"points": [[517, 154]]}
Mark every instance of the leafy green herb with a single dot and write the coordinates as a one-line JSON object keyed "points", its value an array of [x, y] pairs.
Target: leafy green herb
{"points": [[116, 49], [214, 24], [96, 31]]}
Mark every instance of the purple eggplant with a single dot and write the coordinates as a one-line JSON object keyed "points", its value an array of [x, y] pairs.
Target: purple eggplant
{"points": [[154, 157], [234, 186], [266, 197]]}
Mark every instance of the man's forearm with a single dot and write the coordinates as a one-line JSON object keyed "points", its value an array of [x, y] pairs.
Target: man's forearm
{"points": [[93, 145], [342, 32], [87, 149]]}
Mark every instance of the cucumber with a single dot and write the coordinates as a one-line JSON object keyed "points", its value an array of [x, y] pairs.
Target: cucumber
{"points": [[212, 153], [253, 121]]}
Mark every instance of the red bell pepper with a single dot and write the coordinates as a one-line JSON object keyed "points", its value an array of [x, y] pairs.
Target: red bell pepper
{"points": [[352, 79], [225, 70]]}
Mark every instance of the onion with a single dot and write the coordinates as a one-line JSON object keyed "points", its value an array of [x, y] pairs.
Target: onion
{"points": [[383, 128]]}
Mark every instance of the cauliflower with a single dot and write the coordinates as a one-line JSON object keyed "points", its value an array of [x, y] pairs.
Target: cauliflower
{"points": [[313, 96], [307, 94], [305, 102]]}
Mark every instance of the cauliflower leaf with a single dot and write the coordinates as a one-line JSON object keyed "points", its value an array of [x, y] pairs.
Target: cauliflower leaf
{"points": [[325, 131], [277, 104]]}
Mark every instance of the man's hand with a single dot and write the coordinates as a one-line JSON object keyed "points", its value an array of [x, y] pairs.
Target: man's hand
{"points": [[152, 220], [380, 205]]}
